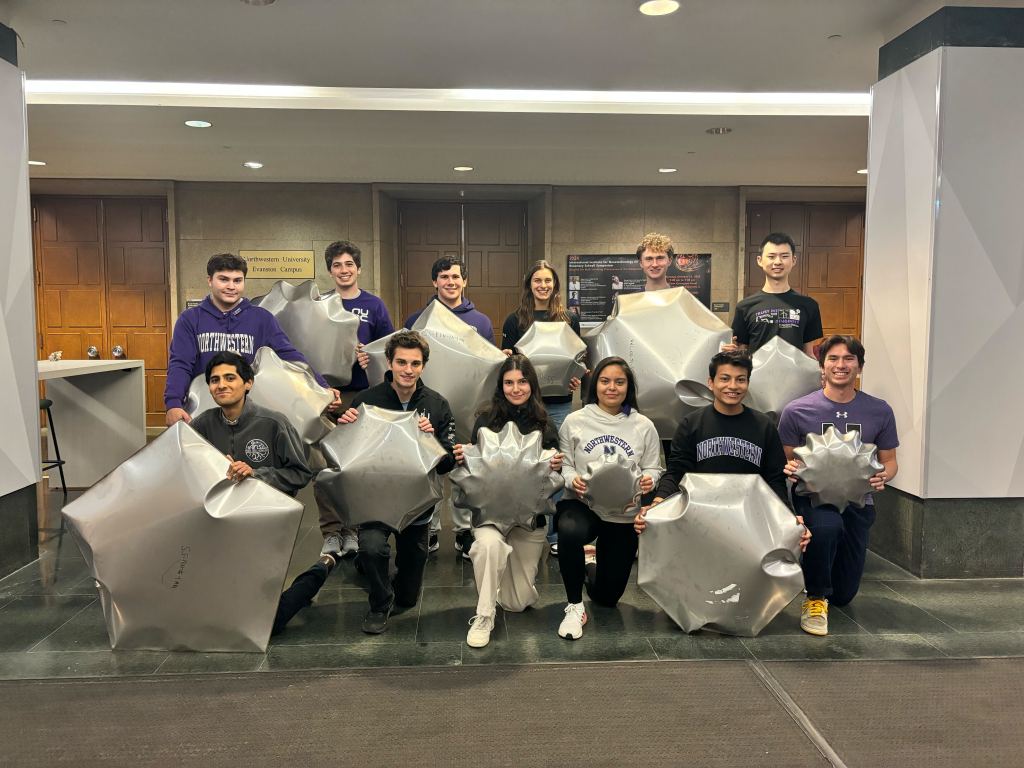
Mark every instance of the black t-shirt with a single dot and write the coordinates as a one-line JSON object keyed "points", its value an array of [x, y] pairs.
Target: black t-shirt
{"points": [[709, 441], [762, 316], [510, 336]]}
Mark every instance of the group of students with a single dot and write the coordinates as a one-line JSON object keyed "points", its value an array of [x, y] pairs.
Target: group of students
{"points": [[219, 339]]}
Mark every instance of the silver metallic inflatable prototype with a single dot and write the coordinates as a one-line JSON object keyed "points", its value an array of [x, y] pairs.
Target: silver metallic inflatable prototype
{"points": [[505, 479], [781, 374], [280, 385], [185, 559], [837, 466], [723, 555], [556, 352], [463, 365], [613, 487], [380, 469], [666, 337], [320, 327]]}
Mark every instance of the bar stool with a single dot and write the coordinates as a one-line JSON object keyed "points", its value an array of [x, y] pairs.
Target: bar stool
{"points": [[44, 405]]}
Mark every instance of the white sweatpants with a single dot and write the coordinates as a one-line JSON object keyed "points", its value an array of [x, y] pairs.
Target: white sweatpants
{"points": [[505, 568]]}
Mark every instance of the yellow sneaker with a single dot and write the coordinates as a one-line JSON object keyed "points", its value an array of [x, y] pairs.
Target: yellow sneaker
{"points": [[814, 616]]}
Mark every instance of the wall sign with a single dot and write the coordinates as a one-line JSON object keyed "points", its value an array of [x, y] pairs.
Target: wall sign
{"points": [[280, 265]]}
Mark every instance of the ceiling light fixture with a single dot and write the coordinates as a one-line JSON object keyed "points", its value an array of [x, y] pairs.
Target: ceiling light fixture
{"points": [[36, 162], [253, 164], [834, 37], [658, 7], [259, 2], [719, 131], [667, 170], [463, 168], [198, 123], [863, 171]]}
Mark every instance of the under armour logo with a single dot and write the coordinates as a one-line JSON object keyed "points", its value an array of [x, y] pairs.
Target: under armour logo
{"points": [[842, 414]]}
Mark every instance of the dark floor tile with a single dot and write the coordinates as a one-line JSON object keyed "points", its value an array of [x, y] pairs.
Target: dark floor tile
{"points": [[447, 568], [49, 576], [973, 645], [79, 664], [877, 568], [27, 620], [445, 613], [788, 622], [337, 616], [196, 663], [87, 631], [362, 654], [549, 648], [701, 645], [883, 612], [839, 647], [981, 605]]}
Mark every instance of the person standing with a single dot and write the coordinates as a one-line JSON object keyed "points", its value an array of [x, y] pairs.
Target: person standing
{"points": [[834, 561], [654, 253]]}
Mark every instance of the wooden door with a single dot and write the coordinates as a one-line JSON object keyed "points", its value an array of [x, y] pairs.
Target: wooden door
{"points": [[102, 276], [426, 231]]}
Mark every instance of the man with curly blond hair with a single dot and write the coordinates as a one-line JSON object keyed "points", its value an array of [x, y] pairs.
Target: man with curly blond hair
{"points": [[655, 253]]}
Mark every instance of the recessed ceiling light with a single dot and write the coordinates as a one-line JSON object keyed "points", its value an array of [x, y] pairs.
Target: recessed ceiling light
{"points": [[198, 123], [253, 164], [658, 7], [720, 131], [463, 168], [58, 22], [36, 162], [667, 170], [258, 2], [834, 37], [863, 171]]}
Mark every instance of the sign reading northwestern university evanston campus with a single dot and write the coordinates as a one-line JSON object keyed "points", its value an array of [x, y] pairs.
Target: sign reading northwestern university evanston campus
{"points": [[595, 281], [279, 265]]}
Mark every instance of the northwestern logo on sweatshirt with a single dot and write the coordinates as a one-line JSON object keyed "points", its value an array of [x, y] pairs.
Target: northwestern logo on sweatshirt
{"points": [[729, 446], [242, 343], [613, 440]]}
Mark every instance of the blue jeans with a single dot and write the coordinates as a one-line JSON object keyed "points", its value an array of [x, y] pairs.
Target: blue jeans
{"points": [[556, 413], [834, 561]]}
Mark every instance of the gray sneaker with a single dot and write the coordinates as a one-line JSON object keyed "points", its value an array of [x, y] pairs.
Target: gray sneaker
{"points": [[349, 544], [332, 545]]}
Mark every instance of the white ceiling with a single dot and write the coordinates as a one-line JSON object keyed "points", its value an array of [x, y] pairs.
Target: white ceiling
{"points": [[709, 45]]}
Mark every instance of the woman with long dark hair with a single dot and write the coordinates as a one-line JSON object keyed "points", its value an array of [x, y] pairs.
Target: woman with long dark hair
{"points": [[505, 567], [608, 424]]}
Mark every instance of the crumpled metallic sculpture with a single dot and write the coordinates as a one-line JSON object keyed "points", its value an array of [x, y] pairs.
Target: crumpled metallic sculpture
{"points": [[505, 479], [380, 469], [613, 487], [280, 385], [185, 559], [836, 468], [557, 354], [781, 374], [463, 365], [666, 337], [723, 555], [320, 327]]}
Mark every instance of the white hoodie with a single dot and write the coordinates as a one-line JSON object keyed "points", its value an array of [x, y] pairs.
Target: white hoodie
{"points": [[588, 433]]}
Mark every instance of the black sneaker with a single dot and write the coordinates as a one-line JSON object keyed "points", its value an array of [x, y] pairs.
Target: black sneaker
{"points": [[374, 623], [432, 543], [463, 542]]}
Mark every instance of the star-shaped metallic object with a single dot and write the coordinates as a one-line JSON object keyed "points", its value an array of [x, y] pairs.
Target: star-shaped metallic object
{"points": [[781, 374], [557, 354], [185, 559], [320, 327], [723, 555], [381, 469], [463, 365], [613, 487], [666, 337], [506, 479], [837, 466], [280, 385]]}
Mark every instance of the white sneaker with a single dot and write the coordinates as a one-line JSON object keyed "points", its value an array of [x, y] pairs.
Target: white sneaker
{"points": [[349, 544], [479, 633], [571, 627], [332, 545]]}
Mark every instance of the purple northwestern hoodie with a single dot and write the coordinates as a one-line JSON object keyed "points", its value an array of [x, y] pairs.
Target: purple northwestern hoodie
{"points": [[467, 313], [203, 331]]}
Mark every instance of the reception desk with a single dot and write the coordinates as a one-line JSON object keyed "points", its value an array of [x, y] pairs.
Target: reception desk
{"points": [[99, 414]]}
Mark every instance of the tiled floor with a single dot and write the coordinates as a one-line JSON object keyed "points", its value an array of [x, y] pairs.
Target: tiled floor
{"points": [[51, 624]]}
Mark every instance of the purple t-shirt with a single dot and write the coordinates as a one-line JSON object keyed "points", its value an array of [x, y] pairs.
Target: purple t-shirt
{"points": [[374, 323], [871, 416]]}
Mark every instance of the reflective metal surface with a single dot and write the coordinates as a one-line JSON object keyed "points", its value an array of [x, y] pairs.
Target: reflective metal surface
{"points": [[463, 365], [557, 354], [666, 337], [836, 468], [505, 480], [380, 469], [781, 374], [320, 328], [613, 487], [724, 554], [184, 558], [280, 385]]}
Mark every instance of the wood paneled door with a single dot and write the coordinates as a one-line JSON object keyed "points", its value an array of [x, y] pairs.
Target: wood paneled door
{"points": [[102, 281], [490, 237], [830, 255]]}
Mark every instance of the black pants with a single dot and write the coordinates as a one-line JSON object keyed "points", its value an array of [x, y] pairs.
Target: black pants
{"points": [[834, 561], [299, 595], [410, 558], [616, 550]]}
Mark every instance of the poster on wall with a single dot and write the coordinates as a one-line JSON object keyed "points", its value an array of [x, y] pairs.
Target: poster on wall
{"points": [[594, 281]]}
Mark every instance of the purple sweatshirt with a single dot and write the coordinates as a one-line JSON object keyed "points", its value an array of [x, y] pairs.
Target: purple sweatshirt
{"points": [[203, 331], [468, 314], [374, 323]]}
